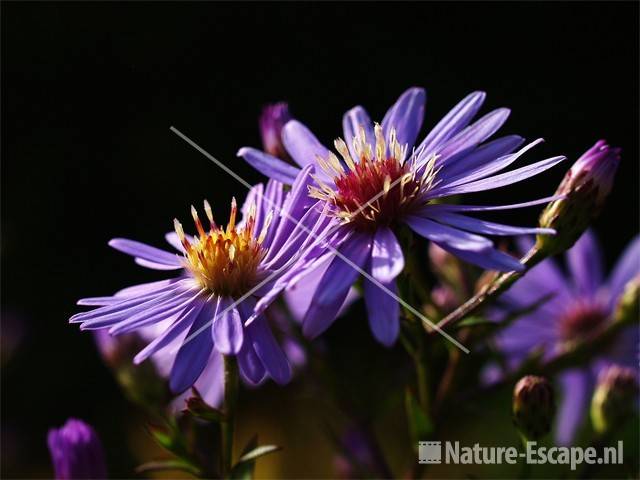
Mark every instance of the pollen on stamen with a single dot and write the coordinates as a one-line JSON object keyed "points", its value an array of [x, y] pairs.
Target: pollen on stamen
{"points": [[373, 189], [225, 261]]}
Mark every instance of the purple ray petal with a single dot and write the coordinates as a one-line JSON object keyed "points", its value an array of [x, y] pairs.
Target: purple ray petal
{"points": [[173, 240], [454, 121], [164, 339], [98, 301], [156, 266], [585, 264], [577, 387], [475, 133], [477, 225], [443, 207], [210, 384], [352, 121], [443, 234], [144, 252], [269, 166], [627, 267], [227, 328], [387, 260], [500, 180], [251, 366], [268, 350], [406, 117], [335, 283], [193, 354], [302, 145], [489, 258], [383, 311]]}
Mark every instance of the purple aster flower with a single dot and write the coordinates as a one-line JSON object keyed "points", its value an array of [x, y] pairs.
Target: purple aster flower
{"points": [[248, 264], [76, 451], [581, 303], [382, 182], [272, 121]]}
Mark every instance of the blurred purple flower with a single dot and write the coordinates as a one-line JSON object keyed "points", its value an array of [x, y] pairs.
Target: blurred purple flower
{"points": [[272, 121], [76, 451], [218, 267], [408, 185], [581, 302]]}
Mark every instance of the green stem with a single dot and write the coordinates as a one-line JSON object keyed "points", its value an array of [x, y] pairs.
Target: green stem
{"points": [[229, 407]]}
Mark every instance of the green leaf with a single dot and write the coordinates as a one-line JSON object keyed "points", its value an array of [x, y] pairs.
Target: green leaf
{"points": [[420, 425], [246, 464], [258, 452], [164, 465]]}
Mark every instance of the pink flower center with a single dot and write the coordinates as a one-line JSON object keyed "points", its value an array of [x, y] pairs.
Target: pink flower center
{"points": [[581, 320]]}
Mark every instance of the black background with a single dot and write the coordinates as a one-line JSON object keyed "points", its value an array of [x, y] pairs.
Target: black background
{"points": [[90, 91]]}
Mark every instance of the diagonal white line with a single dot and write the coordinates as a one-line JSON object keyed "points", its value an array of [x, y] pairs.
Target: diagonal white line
{"points": [[424, 319]]}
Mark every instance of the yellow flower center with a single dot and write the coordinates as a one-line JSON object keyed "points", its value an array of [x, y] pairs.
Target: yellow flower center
{"points": [[224, 261]]}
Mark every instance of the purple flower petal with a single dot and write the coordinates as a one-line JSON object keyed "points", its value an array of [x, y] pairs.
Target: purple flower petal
{"points": [[585, 264], [269, 166], [145, 288], [406, 117], [475, 134], [627, 267], [352, 121], [251, 367], [156, 266], [454, 121], [443, 234], [500, 180], [302, 145], [268, 350], [227, 328], [489, 258], [145, 252], [193, 354], [383, 311], [210, 384], [387, 260], [443, 207], [577, 387], [482, 226], [335, 283]]}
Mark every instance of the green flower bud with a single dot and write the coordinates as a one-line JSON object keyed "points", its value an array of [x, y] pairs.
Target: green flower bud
{"points": [[533, 407], [628, 307], [614, 398], [585, 188]]}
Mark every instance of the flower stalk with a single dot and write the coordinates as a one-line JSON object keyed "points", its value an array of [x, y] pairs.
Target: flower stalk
{"points": [[229, 406]]}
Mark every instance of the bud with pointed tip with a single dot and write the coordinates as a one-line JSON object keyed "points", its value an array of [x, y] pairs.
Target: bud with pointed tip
{"points": [[76, 451], [614, 397], [533, 406], [628, 307], [272, 120], [584, 188]]}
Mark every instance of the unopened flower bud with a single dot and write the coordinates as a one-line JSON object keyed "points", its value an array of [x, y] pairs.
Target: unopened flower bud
{"points": [[585, 188], [614, 397], [533, 406], [76, 451], [628, 307], [272, 120]]}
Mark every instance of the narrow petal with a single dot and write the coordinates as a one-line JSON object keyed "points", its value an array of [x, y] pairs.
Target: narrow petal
{"points": [[251, 366], [269, 352], [577, 387], [227, 328], [156, 266], [406, 117], [193, 354], [144, 252], [489, 258], [585, 264], [627, 267], [269, 166], [173, 240], [383, 311], [454, 121], [387, 260], [352, 122], [335, 283], [443, 234], [500, 180], [475, 134], [477, 225], [443, 207], [302, 145]]}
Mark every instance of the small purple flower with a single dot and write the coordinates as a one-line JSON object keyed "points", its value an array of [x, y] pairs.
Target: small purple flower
{"points": [[382, 182], [272, 121], [192, 312], [580, 304], [76, 451]]}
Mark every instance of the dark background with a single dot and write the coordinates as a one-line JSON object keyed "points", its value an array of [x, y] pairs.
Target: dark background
{"points": [[90, 91]]}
